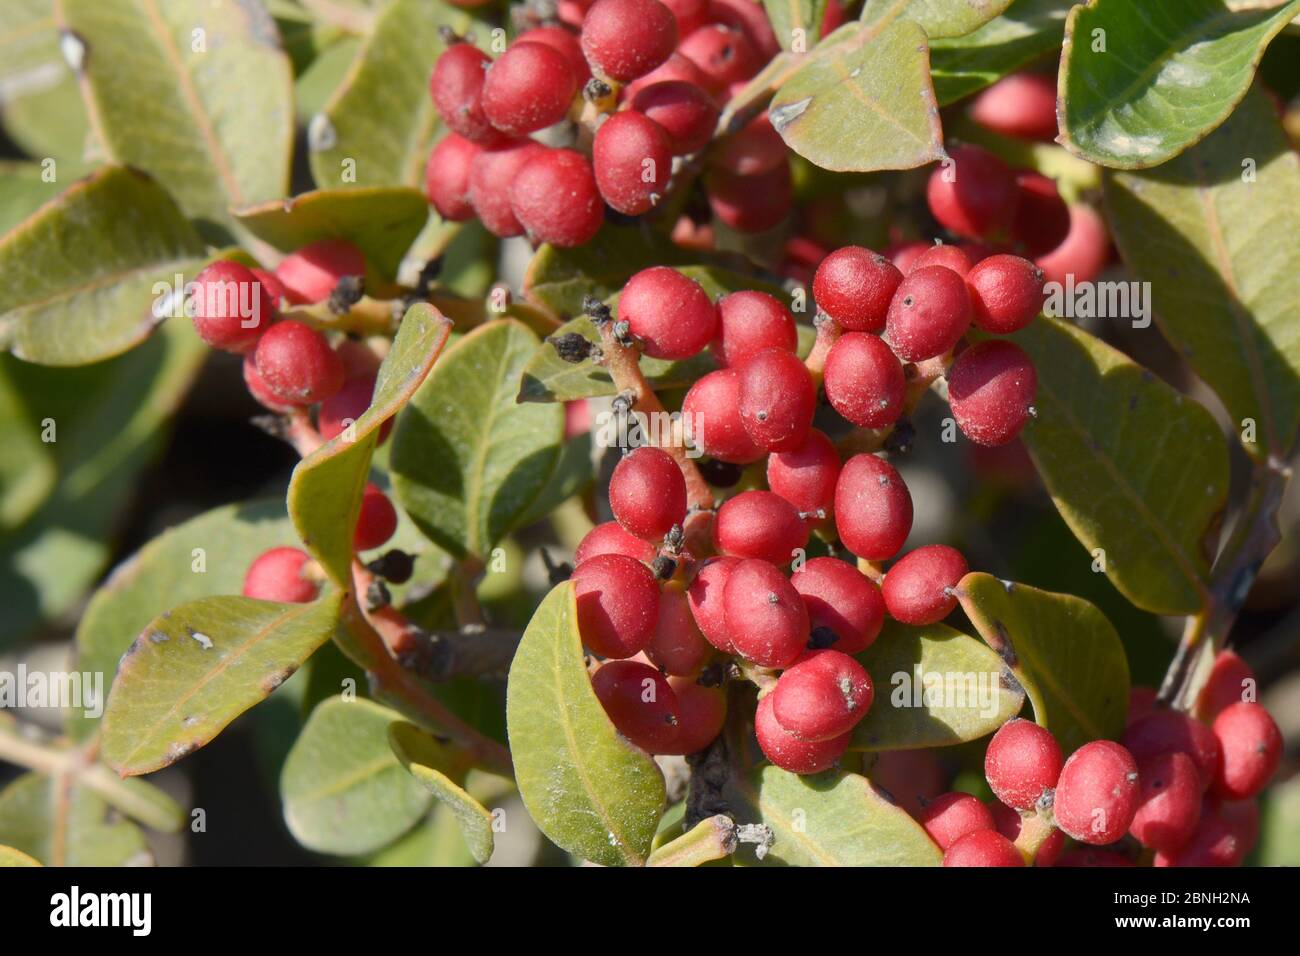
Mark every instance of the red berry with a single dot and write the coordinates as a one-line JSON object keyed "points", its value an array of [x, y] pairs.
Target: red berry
{"points": [[1008, 823], [806, 476], [624, 39], [1169, 731], [1084, 251], [491, 178], [446, 177], [755, 149], [919, 588], [1021, 105], [271, 285], [726, 56], [706, 597], [750, 203], [983, 848], [562, 41], [904, 256], [618, 604], [750, 19], [942, 254], [677, 646], [676, 67], [376, 520], [1097, 794], [632, 159], [297, 365], [671, 314], [686, 113], [554, 197], [864, 380], [823, 694], [259, 390], [345, 406], [873, 508], [974, 195], [991, 389], [1214, 842], [777, 399], [748, 323], [701, 711], [929, 314], [854, 286], [1022, 761], [790, 753], [1231, 680], [1169, 803], [639, 702], [457, 89], [950, 816], [1042, 218], [310, 274], [1006, 293], [765, 616], [528, 88], [711, 412], [647, 493], [842, 599], [689, 14], [760, 524], [610, 538], [276, 575], [230, 307], [1250, 748]]}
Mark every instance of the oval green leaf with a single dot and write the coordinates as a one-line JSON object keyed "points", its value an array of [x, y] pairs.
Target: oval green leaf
{"points": [[939, 18], [441, 770], [1027, 30], [59, 823]]}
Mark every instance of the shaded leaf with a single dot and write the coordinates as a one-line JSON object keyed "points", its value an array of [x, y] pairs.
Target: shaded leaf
{"points": [[709, 840], [795, 19], [1028, 29], [441, 770], [59, 823], [11, 857], [42, 113], [23, 190], [939, 18]]}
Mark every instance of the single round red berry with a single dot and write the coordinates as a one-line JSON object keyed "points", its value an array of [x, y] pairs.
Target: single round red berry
{"points": [[689, 14], [806, 476], [943, 254], [873, 508], [676, 67], [991, 389], [1042, 218], [974, 195], [1023, 760], [618, 604], [726, 56], [624, 39], [706, 597], [230, 307], [920, 588], [929, 314], [864, 380], [1231, 681], [671, 314], [950, 816], [765, 616], [823, 694], [554, 197], [686, 113], [701, 712], [1250, 749], [344, 407], [277, 575], [1170, 731], [632, 161], [1008, 822], [647, 493], [1097, 793], [297, 365], [1216, 842], [748, 323], [311, 273], [750, 204], [1006, 293], [904, 256], [446, 177], [491, 177], [854, 286], [562, 41], [1021, 105], [787, 751], [611, 538], [983, 848], [376, 520], [841, 599], [639, 702], [777, 399], [1083, 253], [1169, 802], [260, 391], [750, 19], [528, 88], [457, 88], [677, 646], [760, 524], [711, 413]]}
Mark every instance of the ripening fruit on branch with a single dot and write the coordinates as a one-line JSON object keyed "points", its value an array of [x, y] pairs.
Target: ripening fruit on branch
{"points": [[1084, 251], [640, 703], [554, 197], [843, 600], [950, 816], [1217, 841], [376, 521], [724, 55], [685, 112], [711, 411], [1169, 804], [670, 313], [943, 254], [1042, 218], [788, 751], [529, 87], [983, 848], [1008, 822], [610, 538], [760, 524], [748, 323], [230, 307], [618, 604], [1006, 293], [647, 493], [347, 405], [855, 286], [806, 476], [777, 399], [1098, 793], [701, 714], [765, 617], [677, 647], [446, 177], [921, 587], [991, 390], [824, 694], [1021, 105], [277, 575], [974, 195], [1231, 681], [624, 39], [928, 315], [864, 380], [1171, 731], [311, 273], [492, 176], [456, 85], [1250, 749], [564, 42], [707, 599], [296, 364], [750, 204], [873, 508], [1022, 762]]}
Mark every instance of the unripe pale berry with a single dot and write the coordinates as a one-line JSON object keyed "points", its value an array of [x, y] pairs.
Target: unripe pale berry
{"points": [[991, 389], [671, 314], [677, 646], [311, 273], [1008, 822], [760, 524], [624, 39], [457, 88], [711, 411], [611, 538], [824, 694], [491, 177], [707, 599], [446, 177], [528, 88], [750, 203], [685, 111], [943, 254], [983, 848], [806, 476], [562, 41], [376, 520], [1021, 105], [864, 380], [950, 816], [230, 307], [873, 508], [345, 406], [1250, 749], [297, 365], [929, 314], [724, 55], [1231, 680], [1084, 251], [843, 600], [1042, 219], [919, 589], [854, 286], [639, 702], [975, 195], [748, 323], [1097, 794], [1022, 761], [1169, 731], [777, 399], [701, 712], [1006, 293], [260, 391], [647, 493], [276, 575], [1169, 803], [554, 197], [787, 751], [618, 604], [765, 616]]}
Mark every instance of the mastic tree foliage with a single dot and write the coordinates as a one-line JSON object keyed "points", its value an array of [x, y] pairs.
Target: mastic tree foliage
{"points": [[807, 432]]}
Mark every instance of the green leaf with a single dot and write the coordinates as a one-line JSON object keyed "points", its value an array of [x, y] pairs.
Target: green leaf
{"points": [[1028, 29], [709, 840], [830, 819], [1135, 468], [795, 19], [467, 462], [42, 111], [441, 770], [589, 790], [1168, 75], [935, 687], [11, 857], [343, 790], [939, 18], [59, 823], [200, 665], [84, 273], [863, 100], [380, 221], [204, 557], [1224, 265], [326, 488], [325, 74], [28, 469], [23, 190], [1066, 654], [196, 92]]}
